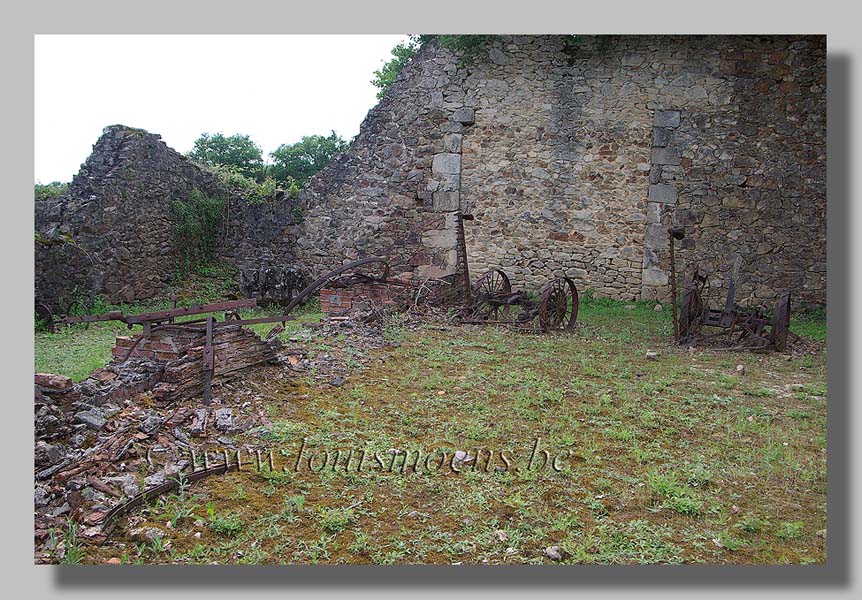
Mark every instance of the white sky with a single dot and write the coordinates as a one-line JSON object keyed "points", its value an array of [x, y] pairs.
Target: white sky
{"points": [[275, 88]]}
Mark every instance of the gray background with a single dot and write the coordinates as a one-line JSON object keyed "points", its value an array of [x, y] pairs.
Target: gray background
{"points": [[839, 578]]}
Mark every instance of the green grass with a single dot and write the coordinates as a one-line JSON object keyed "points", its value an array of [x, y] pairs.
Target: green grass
{"points": [[674, 460], [77, 350]]}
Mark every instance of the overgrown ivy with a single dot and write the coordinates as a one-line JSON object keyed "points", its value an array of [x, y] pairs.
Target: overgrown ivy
{"points": [[253, 192], [196, 224]]}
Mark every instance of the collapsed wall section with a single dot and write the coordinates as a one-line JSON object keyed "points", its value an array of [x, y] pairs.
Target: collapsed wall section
{"points": [[112, 232], [396, 191]]}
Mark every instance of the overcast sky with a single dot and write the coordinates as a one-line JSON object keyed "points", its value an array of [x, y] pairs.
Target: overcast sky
{"points": [[274, 88]]}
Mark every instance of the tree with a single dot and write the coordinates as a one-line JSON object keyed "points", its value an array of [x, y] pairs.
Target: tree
{"points": [[237, 151], [402, 53], [306, 157], [43, 191]]}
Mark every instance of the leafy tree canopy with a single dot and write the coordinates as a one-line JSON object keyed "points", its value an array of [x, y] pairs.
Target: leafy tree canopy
{"points": [[237, 151], [401, 53], [306, 157], [43, 191]]}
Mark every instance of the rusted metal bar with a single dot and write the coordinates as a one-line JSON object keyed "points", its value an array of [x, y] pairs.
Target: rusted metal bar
{"points": [[110, 519], [673, 234], [209, 362], [190, 310]]}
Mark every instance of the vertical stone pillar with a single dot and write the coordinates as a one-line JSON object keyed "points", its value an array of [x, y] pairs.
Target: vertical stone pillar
{"points": [[441, 191], [662, 194]]}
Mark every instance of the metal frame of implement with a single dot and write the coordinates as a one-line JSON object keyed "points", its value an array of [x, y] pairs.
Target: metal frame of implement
{"points": [[210, 325]]}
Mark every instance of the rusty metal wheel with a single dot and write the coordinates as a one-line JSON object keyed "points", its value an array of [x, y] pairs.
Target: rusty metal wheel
{"points": [[780, 323], [691, 312], [45, 315], [558, 305], [487, 293]]}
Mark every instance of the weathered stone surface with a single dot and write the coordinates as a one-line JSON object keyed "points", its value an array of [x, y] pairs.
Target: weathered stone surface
{"points": [[556, 163], [665, 156], [91, 418], [447, 163], [662, 192], [465, 116], [667, 118]]}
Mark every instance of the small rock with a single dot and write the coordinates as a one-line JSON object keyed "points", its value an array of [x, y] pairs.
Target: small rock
{"points": [[821, 533], [630, 307], [199, 425], [224, 419], [155, 479], [92, 419], [740, 369], [462, 457], [197, 535], [651, 354], [146, 534], [41, 495], [658, 308], [53, 382], [336, 381], [150, 424], [510, 550], [113, 561], [553, 552]]}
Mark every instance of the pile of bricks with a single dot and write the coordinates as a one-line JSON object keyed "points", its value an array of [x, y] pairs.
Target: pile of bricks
{"points": [[341, 301], [179, 354], [164, 344], [234, 349]]}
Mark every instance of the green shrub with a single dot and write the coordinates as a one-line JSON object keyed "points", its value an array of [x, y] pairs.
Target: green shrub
{"points": [[196, 223]]}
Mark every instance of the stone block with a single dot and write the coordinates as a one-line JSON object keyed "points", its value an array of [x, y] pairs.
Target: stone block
{"points": [[665, 156], [498, 57], [465, 116], [445, 201], [656, 236], [667, 118], [661, 192], [447, 163], [654, 277], [452, 142], [660, 137]]}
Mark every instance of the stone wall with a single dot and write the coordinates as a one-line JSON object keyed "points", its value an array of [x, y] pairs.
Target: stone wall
{"points": [[582, 154], [112, 233], [395, 192], [576, 154]]}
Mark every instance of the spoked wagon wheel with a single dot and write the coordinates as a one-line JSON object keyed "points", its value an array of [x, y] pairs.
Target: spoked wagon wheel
{"points": [[490, 287], [780, 323], [46, 315], [558, 305], [691, 311]]}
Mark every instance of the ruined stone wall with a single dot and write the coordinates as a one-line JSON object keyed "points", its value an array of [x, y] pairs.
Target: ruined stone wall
{"points": [[582, 154], [112, 232], [576, 154], [392, 194], [573, 154]]}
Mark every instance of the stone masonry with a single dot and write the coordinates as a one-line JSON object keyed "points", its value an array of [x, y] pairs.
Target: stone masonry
{"points": [[112, 233], [574, 159], [574, 155]]}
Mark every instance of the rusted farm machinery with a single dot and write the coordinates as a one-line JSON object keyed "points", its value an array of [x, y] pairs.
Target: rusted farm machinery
{"points": [[372, 269], [492, 300], [743, 328]]}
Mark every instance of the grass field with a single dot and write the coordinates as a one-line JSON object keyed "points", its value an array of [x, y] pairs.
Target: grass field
{"points": [[677, 459]]}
